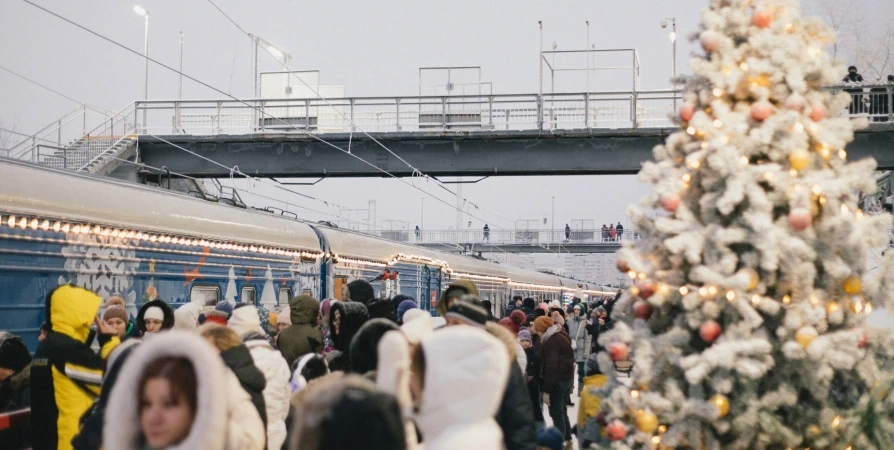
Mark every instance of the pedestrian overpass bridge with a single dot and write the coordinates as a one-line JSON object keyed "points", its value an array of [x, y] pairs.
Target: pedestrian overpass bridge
{"points": [[511, 240], [459, 135]]}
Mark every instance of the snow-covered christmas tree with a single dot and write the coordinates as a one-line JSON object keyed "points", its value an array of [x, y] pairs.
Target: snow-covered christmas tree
{"points": [[746, 320]]}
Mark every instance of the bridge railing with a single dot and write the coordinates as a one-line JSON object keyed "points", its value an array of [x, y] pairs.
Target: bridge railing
{"points": [[504, 236], [515, 112], [410, 114]]}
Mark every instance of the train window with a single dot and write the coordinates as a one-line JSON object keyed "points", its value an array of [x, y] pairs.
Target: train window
{"points": [[285, 294], [207, 295], [249, 295]]}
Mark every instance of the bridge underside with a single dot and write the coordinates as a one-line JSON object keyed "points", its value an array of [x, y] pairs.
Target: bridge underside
{"points": [[524, 248], [481, 153]]}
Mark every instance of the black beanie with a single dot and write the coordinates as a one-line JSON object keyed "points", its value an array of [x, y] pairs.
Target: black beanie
{"points": [[361, 291], [470, 310], [14, 354]]}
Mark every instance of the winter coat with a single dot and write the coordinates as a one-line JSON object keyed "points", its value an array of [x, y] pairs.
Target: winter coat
{"points": [[353, 316], [577, 331], [93, 421], [166, 324], [252, 380], [532, 380], [15, 394], [462, 359], [301, 337], [464, 285], [65, 373], [393, 377], [589, 407], [277, 392], [382, 309], [558, 358], [514, 416], [224, 419]]}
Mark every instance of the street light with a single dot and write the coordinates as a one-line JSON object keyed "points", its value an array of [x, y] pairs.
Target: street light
{"points": [[673, 37], [275, 51], [142, 12]]}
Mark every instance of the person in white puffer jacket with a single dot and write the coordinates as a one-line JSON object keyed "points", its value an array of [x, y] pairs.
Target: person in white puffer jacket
{"points": [[467, 360], [246, 322], [223, 416]]}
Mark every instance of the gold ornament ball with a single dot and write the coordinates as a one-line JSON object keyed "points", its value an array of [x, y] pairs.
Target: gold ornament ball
{"points": [[852, 285], [722, 404], [805, 336], [753, 278], [799, 159], [646, 421]]}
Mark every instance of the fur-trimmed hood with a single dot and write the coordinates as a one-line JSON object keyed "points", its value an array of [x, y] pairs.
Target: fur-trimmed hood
{"points": [[209, 430], [353, 316], [166, 324]]}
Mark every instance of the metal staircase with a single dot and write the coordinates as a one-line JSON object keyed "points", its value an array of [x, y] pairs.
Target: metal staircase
{"points": [[97, 141]]}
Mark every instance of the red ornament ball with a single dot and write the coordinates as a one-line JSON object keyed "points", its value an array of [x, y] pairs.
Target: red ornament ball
{"points": [[762, 17], [646, 288], [642, 309], [670, 202], [709, 331], [710, 41], [818, 112], [864, 340], [761, 110], [687, 111], [795, 102], [618, 351], [616, 430], [623, 266], [800, 219]]}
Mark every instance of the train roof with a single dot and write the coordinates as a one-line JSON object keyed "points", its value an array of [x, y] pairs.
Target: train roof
{"points": [[48, 193]]}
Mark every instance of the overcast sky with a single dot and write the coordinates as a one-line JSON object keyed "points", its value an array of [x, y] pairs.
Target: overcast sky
{"points": [[371, 48]]}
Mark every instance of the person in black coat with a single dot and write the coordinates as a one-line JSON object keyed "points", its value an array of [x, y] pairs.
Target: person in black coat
{"points": [[15, 388], [236, 356], [532, 375], [345, 319], [152, 310], [856, 106]]}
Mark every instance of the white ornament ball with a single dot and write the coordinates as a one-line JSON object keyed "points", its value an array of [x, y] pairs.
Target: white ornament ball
{"points": [[710, 41], [800, 219]]}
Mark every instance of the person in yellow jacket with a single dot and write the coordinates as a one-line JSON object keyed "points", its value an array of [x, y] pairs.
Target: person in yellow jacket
{"points": [[588, 428], [66, 374]]}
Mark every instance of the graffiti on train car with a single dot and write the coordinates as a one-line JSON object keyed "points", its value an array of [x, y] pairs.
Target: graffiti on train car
{"points": [[102, 264]]}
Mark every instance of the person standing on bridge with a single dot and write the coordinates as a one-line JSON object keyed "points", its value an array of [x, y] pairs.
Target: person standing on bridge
{"points": [[418, 234], [486, 233], [604, 232], [611, 232], [620, 230], [567, 232]]}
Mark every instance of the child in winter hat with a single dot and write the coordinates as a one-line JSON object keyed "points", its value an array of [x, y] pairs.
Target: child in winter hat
{"points": [[221, 313], [524, 335], [402, 309], [14, 355], [284, 318], [550, 439]]}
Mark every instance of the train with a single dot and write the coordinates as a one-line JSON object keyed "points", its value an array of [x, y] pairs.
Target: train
{"points": [[120, 238]]}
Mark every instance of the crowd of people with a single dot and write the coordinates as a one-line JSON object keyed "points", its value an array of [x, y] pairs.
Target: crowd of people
{"points": [[361, 372]]}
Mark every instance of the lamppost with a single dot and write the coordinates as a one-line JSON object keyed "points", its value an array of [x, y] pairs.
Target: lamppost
{"points": [[274, 50], [673, 36], [142, 11]]}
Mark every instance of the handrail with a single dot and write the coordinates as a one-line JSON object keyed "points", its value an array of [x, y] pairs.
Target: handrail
{"points": [[15, 418]]}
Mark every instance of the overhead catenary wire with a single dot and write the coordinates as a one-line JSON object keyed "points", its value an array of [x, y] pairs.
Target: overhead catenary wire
{"points": [[47, 88], [414, 169], [202, 83]]}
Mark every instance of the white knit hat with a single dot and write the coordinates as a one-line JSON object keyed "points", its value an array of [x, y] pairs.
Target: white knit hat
{"points": [[154, 312], [245, 320]]}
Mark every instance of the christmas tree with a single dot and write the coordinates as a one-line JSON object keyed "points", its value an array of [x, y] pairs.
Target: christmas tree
{"points": [[746, 318]]}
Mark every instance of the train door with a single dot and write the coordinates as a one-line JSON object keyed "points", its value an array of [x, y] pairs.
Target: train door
{"points": [[339, 287]]}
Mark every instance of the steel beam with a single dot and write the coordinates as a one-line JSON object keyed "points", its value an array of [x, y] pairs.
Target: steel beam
{"points": [[473, 153]]}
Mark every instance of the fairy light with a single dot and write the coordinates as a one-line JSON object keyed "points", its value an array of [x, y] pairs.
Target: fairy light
{"points": [[656, 440], [684, 290], [813, 51], [793, 172], [717, 123], [756, 299], [634, 393], [799, 127], [23, 223], [786, 299], [687, 178], [858, 214], [844, 209], [817, 189], [45, 225], [712, 290], [34, 224], [744, 66], [641, 276], [57, 226], [717, 92], [691, 131], [65, 228], [695, 164], [868, 308], [768, 176], [858, 306], [836, 421], [631, 274], [842, 154], [703, 291], [744, 160], [822, 200], [814, 300], [731, 296]]}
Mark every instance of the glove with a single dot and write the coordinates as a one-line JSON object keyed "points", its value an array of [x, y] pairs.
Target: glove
{"points": [[545, 399]]}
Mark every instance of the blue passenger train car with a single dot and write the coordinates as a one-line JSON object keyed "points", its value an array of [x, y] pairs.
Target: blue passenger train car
{"points": [[118, 238]]}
